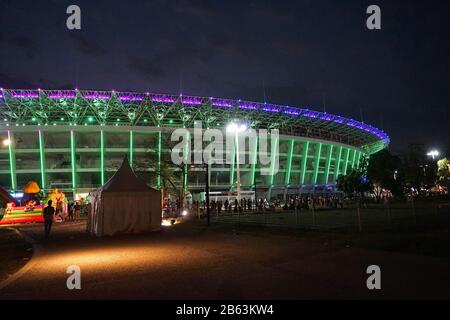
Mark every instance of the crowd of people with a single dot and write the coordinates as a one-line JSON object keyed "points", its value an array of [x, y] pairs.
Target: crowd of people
{"points": [[216, 207], [75, 210], [309, 202], [298, 202]]}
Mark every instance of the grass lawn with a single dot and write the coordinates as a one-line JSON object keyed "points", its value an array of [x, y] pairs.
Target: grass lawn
{"points": [[15, 251], [423, 230]]}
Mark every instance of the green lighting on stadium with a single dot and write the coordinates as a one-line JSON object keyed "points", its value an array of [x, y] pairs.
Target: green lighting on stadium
{"points": [[102, 157], [289, 162], [131, 147], [159, 159], [12, 160], [42, 158], [354, 159], [347, 154], [255, 158], [337, 165], [304, 160], [328, 164], [72, 158], [273, 154], [316, 162], [315, 158]]}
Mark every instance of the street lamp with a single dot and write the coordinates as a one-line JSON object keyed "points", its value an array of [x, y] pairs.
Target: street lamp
{"points": [[433, 153], [236, 129]]}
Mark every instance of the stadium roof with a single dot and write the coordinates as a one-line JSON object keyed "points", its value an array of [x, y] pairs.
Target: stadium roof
{"points": [[78, 107]]}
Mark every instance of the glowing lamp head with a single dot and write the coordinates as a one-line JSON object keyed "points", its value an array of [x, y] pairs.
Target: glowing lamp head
{"points": [[232, 127], [236, 128], [242, 128], [184, 213], [6, 142], [433, 153]]}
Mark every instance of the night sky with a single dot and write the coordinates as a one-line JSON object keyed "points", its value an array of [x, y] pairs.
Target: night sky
{"points": [[299, 53]]}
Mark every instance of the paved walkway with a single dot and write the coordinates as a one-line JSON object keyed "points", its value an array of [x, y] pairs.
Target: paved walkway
{"points": [[195, 263]]}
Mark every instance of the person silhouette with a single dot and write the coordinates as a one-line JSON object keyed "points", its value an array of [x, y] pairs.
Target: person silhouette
{"points": [[49, 213]]}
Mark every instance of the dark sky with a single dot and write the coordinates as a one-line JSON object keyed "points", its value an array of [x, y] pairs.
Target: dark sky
{"points": [[300, 53]]}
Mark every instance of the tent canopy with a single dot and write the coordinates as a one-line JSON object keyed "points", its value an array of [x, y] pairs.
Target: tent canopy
{"points": [[124, 204], [125, 180]]}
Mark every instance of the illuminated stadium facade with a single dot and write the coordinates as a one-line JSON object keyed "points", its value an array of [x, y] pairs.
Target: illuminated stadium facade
{"points": [[75, 139]]}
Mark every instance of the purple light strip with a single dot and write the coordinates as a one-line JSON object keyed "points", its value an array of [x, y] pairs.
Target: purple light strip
{"points": [[131, 98], [272, 109], [164, 99], [96, 96], [25, 95], [248, 106], [327, 117], [292, 112], [222, 104], [195, 101], [339, 120], [61, 96], [311, 114]]}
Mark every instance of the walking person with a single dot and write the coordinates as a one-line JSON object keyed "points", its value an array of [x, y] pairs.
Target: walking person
{"points": [[49, 213], [76, 208], [71, 208]]}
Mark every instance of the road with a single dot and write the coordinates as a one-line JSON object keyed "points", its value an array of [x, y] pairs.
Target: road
{"points": [[183, 262]]}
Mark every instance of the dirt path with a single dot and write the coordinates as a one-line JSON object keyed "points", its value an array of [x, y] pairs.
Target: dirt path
{"points": [[194, 263]]}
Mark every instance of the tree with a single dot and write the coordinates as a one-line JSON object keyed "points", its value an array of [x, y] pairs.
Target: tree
{"points": [[171, 176], [443, 172], [384, 171], [419, 170], [354, 182]]}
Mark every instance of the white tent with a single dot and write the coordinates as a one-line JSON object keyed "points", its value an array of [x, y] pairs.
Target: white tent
{"points": [[124, 204]]}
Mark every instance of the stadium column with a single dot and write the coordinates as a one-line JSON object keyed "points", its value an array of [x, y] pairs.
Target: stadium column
{"points": [[12, 160], [358, 158], [304, 160], [273, 155], [233, 155], [289, 162], [328, 163], [102, 157], [131, 148], [317, 162], [73, 159], [254, 160], [42, 158], [347, 154], [187, 157], [159, 159], [354, 160], [337, 165]]}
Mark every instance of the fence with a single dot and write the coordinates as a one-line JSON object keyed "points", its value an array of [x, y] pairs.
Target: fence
{"points": [[352, 217]]}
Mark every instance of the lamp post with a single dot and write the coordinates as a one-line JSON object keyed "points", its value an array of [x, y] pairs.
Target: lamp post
{"points": [[236, 129]]}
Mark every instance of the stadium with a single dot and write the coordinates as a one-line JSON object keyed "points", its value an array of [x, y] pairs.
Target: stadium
{"points": [[74, 140]]}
